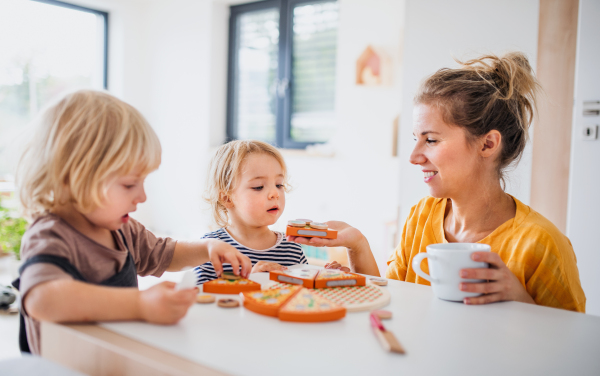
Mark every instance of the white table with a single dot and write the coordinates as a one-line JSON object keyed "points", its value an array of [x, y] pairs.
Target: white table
{"points": [[441, 338]]}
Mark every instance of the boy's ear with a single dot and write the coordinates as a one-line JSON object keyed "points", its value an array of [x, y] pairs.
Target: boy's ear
{"points": [[225, 200]]}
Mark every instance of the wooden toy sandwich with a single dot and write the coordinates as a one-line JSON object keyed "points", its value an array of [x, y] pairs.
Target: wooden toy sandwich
{"points": [[309, 229], [318, 279]]}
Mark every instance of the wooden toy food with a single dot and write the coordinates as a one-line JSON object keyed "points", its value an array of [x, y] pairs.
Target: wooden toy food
{"points": [[304, 277], [268, 302], [306, 306], [227, 286], [336, 278], [309, 229], [293, 303]]}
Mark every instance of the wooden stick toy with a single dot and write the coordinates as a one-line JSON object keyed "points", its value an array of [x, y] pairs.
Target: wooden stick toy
{"points": [[188, 281], [385, 337], [309, 229]]}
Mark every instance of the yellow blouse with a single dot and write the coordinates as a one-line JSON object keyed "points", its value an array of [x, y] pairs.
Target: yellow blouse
{"points": [[533, 248]]}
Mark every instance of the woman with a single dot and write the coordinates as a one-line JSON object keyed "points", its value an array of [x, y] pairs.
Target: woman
{"points": [[470, 124]]}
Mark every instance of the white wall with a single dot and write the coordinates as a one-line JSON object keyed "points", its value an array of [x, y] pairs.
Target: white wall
{"points": [[583, 220], [438, 30]]}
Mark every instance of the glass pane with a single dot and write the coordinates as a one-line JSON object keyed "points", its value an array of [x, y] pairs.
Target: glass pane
{"points": [[46, 50], [313, 84], [255, 102]]}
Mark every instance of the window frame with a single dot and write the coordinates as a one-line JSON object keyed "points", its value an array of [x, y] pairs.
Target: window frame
{"points": [[97, 12], [284, 63]]}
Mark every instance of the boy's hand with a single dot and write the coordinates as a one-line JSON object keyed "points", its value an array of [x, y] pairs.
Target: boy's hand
{"points": [[221, 252], [162, 304], [337, 265], [265, 266]]}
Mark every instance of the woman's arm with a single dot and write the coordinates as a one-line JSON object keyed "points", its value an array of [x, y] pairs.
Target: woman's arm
{"points": [[66, 300], [359, 252], [188, 254]]}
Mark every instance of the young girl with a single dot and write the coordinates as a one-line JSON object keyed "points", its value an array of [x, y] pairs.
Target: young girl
{"points": [[79, 180], [246, 190]]}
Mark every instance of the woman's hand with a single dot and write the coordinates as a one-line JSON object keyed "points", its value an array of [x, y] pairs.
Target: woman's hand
{"points": [[336, 265], [162, 304], [221, 252], [265, 266], [502, 283]]}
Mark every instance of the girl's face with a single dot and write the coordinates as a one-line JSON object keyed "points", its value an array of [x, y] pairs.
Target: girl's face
{"points": [[122, 196], [258, 199], [450, 165]]}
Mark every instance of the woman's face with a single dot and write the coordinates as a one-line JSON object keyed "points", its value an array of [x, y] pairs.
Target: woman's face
{"points": [[451, 165]]}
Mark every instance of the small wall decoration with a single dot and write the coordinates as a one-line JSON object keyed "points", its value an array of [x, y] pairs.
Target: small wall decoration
{"points": [[373, 67]]}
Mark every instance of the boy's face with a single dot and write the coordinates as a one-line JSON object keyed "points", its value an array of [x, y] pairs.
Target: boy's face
{"points": [[122, 196], [259, 197]]}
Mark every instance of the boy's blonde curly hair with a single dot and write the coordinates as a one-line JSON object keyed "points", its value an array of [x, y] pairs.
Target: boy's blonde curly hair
{"points": [[81, 143], [225, 168]]}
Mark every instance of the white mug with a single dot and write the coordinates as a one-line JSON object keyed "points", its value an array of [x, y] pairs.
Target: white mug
{"points": [[446, 260]]}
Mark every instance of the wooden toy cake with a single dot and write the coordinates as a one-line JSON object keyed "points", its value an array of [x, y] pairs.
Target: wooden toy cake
{"points": [[336, 278], [304, 277], [293, 303], [310, 278], [306, 306], [309, 229], [230, 286], [268, 302]]}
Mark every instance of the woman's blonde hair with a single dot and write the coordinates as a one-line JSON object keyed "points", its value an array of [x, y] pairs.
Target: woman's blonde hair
{"points": [[81, 143], [484, 94], [225, 168]]}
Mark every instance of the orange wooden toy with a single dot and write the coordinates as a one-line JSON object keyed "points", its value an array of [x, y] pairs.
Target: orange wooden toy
{"points": [[304, 277], [337, 278], [306, 306], [309, 229], [268, 302], [227, 286]]}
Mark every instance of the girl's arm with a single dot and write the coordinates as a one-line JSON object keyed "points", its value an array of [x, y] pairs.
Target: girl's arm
{"points": [[359, 252], [66, 300], [199, 252]]}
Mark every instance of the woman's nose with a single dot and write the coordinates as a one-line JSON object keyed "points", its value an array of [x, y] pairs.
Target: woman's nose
{"points": [[417, 157]]}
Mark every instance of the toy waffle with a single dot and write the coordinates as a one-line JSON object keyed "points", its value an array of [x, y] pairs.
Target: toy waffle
{"points": [[268, 302], [309, 229], [336, 278], [306, 306], [304, 277], [227, 286]]}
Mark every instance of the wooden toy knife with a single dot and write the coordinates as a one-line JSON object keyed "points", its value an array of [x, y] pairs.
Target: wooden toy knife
{"points": [[386, 338]]}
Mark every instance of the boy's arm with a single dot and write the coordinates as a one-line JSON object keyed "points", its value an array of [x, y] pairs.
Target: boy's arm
{"points": [[66, 300], [188, 254]]}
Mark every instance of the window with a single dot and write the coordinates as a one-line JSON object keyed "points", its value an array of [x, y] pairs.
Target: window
{"points": [[48, 47], [282, 58]]}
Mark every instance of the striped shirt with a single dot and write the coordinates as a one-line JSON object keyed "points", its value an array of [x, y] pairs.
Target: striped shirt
{"points": [[283, 252]]}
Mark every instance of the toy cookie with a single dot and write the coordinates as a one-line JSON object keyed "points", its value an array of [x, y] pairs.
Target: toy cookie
{"points": [[310, 229]]}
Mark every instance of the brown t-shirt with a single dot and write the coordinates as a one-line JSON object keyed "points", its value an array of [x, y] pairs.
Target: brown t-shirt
{"points": [[51, 235]]}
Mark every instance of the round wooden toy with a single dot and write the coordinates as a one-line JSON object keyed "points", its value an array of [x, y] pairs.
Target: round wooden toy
{"points": [[319, 225], [383, 315], [379, 281], [297, 223], [306, 221], [205, 299], [228, 303]]}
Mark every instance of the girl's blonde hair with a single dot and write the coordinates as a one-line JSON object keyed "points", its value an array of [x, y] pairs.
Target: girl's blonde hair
{"points": [[484, 94], [225, 168], [82, 142]]}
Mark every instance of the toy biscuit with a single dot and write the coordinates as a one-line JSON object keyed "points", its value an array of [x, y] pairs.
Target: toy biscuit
{"points": [[379, 281], [228, 303], [205, 299]]}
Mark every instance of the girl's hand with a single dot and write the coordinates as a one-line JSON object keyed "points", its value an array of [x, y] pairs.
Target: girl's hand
{"points": [[221, 252], [265, 266], [162, 304], [347, 236], [502, 283], [336, 265]]}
